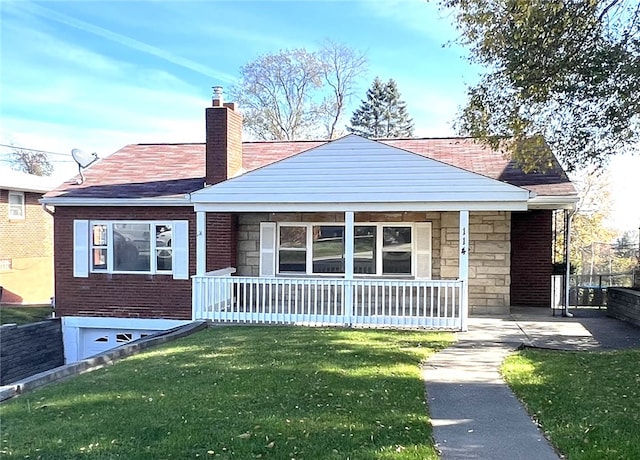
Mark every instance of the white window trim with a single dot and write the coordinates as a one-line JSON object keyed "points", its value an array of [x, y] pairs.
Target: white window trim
{"points": [[379, 239], [153, 270], [13, 206]]}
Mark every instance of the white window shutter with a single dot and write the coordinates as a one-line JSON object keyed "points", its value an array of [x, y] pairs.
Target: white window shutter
{"points": [[267, 248], [81, 248], [180, 242], [423, 250]]}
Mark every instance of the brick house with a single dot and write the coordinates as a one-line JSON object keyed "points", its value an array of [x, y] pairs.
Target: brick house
{"points": [[26, 239], [413, 232]]}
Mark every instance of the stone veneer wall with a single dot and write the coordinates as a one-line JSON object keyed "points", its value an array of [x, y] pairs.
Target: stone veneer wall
{"points": [[489, 260]]}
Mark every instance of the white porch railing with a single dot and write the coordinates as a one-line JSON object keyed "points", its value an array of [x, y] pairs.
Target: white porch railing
{"points": [[328, 301]]}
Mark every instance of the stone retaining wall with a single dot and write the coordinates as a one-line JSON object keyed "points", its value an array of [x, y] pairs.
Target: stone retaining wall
{"points": [[624, 304], [29, 349]]}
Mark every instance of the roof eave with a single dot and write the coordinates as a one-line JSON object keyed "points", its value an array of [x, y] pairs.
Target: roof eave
{"points": [[516, 205], [553, 202], [19, 188], [183, 200]]}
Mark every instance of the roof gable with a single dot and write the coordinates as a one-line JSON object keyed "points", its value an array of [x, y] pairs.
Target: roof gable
{"points": [[359, 174]]}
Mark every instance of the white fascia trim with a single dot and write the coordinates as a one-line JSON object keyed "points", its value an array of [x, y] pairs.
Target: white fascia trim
{"points": [[554, 202], [174, 201], [371, 207], [19, 188], [122, 323]]}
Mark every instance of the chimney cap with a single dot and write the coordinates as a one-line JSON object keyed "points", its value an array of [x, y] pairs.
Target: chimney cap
{"points": [[217, 96]]}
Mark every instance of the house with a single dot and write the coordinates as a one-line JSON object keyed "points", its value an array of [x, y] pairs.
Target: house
{"points": [[26, 239], [408, 232]]}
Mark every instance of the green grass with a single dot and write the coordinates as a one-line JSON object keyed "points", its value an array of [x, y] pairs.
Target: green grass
{"points": [[239, 392], [588, 404], [24, 315]]}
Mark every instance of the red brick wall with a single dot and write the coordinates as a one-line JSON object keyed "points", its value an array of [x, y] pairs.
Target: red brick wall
{"points": [[531, 258], [222, 241], [136, 296], [223, 144]]}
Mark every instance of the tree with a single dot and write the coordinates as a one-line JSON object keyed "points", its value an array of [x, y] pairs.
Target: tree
{"points": [[297, 94], [341, 67], [568, 70], [383, 113], [589, 228], [626, 252], [31, 162]]}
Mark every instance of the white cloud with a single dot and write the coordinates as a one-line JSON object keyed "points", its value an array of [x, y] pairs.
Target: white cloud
{"points": [[125, 41]]}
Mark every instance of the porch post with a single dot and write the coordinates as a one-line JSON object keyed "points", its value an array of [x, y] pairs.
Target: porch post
{"points": [[348, 263], [463, 269], [567, 258], [201, 242]]}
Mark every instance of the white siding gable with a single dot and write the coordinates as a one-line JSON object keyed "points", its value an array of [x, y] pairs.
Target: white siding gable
{"points": [[359, 174]]}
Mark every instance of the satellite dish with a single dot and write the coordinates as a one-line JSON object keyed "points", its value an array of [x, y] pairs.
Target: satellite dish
{"points": [[84, 160]]}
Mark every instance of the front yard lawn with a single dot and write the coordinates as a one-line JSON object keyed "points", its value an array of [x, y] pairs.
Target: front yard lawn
{"points": [[239, 392], [24, 315], [587, 403]]}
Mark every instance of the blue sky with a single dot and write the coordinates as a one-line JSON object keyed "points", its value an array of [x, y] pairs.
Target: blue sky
{"points": [[99, 75]]}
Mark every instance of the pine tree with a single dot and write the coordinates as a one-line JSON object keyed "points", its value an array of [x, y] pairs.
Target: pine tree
{"points": [[383, 113]]}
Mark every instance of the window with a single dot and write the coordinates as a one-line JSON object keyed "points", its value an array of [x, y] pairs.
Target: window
{"points": [[292, 250], [124, 337], [328, 249], [160, 247], [129, 247], [379, 249], [16, 205], [364, 250], [396, 250]]}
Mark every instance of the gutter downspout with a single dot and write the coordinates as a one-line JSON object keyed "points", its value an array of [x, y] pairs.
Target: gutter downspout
{"points": [[52, 299], [47, 210], [567, 253]]}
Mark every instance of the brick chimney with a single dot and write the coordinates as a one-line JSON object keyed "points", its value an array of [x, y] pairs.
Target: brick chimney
{"points": [[224, 140]]}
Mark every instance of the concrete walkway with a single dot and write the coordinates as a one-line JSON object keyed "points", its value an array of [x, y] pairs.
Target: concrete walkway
{"points": [[474, 413]]}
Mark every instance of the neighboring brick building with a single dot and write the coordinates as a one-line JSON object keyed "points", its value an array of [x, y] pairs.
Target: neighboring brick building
{"points": [[26, 239], [419, 223]]}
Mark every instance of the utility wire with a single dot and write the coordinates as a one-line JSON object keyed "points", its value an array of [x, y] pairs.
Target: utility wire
{"points": [[70, 160], [15, 147]]}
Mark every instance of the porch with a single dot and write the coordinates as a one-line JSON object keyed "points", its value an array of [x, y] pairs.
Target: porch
{"points": [[361, 265], [220, 297]]}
